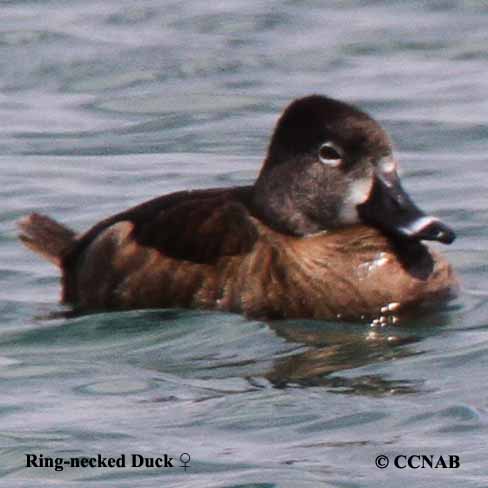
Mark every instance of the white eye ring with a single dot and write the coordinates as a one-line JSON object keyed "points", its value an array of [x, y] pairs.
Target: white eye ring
{"points": [[330, 154]]}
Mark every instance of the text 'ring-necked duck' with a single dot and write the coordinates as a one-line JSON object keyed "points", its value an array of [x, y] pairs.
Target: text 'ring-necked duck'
{"points": [[325, 231]]}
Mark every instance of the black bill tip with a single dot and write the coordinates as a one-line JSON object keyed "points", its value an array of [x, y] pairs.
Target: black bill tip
{"points": [[429, 229]]}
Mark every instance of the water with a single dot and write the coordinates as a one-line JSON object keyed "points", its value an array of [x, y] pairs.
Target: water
{"points": [[106, 104]]}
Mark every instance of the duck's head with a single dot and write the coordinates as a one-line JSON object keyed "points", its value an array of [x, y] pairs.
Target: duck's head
{"points": [[329, 165]]}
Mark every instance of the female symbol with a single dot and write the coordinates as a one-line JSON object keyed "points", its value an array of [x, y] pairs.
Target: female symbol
{"points": [[185, 459]]}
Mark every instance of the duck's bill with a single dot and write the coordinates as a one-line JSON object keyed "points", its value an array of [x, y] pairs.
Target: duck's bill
{"points": [[390, 209]]}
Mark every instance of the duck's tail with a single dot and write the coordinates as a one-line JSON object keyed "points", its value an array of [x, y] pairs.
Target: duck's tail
{"points": [[46, 237]]}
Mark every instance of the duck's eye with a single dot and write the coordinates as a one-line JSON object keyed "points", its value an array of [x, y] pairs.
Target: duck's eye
{"points": [[330, 154]]}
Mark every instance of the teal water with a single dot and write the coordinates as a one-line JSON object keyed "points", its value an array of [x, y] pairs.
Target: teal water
{"points": [[106, 104]]}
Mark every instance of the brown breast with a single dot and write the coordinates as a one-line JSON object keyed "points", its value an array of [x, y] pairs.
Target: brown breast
{"points": [[347, 274]]}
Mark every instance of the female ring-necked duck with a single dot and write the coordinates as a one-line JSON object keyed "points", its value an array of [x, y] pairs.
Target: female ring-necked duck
{"points": [[325, 231]]}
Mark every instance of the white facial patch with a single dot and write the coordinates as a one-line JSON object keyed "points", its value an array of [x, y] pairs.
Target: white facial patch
{"points": [[360, 190], [418, 225], [388, 165], [386, 171], [358, 193]]}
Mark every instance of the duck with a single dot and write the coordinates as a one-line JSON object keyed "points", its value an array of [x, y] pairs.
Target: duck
{"points": [[326, 231]]}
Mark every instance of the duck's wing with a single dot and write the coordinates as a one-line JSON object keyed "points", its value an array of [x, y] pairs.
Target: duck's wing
{"points": [[199, 226]]}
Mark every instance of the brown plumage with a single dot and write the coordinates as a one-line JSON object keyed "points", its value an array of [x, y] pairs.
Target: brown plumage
{"points": [[222, 249]]}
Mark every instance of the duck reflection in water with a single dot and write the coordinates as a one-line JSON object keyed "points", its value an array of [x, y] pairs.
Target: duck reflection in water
{"points": [[330, 349]]}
